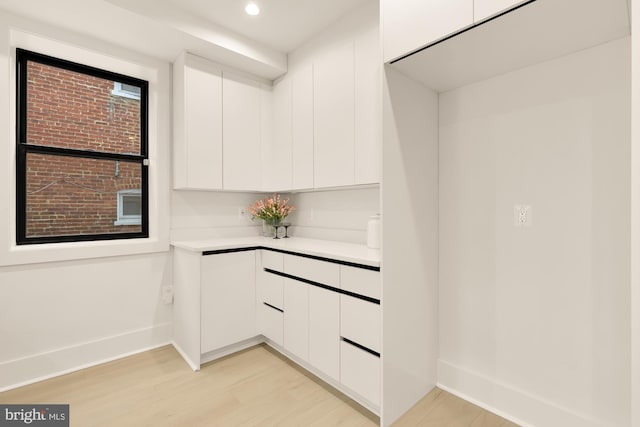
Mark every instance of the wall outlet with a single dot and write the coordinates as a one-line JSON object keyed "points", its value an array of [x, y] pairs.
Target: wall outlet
{"points": [[167, 295], [243, 213], [522, 216]]}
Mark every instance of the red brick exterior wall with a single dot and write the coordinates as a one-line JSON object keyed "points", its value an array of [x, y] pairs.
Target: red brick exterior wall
{"points": [[70, 195]]}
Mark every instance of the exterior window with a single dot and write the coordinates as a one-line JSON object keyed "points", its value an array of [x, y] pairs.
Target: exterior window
{"points": [[126, 90], [81, 153], [129, 207]]}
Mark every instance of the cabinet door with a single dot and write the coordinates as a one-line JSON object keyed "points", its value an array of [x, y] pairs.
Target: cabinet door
{"points": [[333, 100], [409, 24], [197, 124], [360, 371], [324, 331], [277, 160], [302, 125], [368, 108], [241, 126], [483, 9], [296, 318], [227, 299]]}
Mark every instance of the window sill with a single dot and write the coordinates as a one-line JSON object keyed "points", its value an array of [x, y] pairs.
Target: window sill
{"points": [[57, 252], [127, 222]]}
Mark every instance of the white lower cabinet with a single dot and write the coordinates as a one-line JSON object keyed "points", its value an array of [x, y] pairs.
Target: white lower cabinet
{"points": [[271, 320], [227, 299], [324, 331], [360, 321], [360, 372], [270, 296], [296, 318]]}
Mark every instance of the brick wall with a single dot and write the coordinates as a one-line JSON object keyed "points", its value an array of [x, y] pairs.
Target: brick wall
{"points": [[70, 195]]}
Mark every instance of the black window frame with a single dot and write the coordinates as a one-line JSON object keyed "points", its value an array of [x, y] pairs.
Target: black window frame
{"points": [[23, 149]]}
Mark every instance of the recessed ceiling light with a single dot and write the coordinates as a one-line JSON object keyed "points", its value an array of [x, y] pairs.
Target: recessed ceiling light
{"points": [[252, 9]]}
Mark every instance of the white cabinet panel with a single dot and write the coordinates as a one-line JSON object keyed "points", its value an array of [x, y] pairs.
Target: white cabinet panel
{"points": [[270, 289], [333, 100], [360, 371], [227, 299], [368, 107], [360, 321], [409, 24], [277, 160], [302, 125], [361, 281], [324, 331], [270, 321], [241, 127], [197, 92], [483, 9], [296, 318], [272, 260], [323, 272]]}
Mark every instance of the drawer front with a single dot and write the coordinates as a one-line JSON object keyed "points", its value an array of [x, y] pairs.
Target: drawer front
{"points": [[270, 323], [361, 281], [272, 260], [360, 372], [360, 321], [271, 289], [323, 272]]}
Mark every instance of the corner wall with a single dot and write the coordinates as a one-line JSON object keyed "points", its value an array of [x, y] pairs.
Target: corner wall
{"points": [[409, 244], [534, 321]]}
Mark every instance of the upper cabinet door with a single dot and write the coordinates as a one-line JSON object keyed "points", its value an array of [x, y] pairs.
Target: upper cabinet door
{"points": [[368, 107], [277, 161], [241, 127], [483, 9], [408, 25], [302, 125], [333, 100], [197, 113]]}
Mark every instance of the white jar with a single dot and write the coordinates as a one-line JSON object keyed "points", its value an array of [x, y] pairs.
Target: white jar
{"points": [[373, 232]]}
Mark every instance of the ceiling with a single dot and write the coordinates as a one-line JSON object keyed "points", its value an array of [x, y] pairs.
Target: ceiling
{"points": [[282, 25]]}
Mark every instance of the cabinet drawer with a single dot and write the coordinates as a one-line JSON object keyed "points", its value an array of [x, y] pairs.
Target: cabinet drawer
{"points": [[360, 372], [360, 281], [323, 272], [360, 321], [270, 321], [272, 260], [271, 289]]}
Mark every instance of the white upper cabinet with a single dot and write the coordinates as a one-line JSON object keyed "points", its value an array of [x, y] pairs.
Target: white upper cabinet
{"points": [[368, 107], [241, 129], [302, 125], [333, 113], [277, 161], [483, 9], [197, 138], [408, 25]]}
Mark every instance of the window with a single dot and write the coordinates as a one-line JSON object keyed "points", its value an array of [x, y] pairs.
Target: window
{"points": [[126, 90], [129, 207], [81, 153]]}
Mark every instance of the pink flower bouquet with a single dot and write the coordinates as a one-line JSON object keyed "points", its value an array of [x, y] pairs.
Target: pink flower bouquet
{"points": [[273, 210]]}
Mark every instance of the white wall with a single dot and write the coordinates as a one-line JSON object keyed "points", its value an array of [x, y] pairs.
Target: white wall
{"points": [[409, 243], [63, 315], [635, 217], [534, 321], [339, 215], [210, 214]]}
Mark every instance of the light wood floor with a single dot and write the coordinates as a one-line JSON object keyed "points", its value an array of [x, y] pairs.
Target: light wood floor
{"points": [[256, 387]]}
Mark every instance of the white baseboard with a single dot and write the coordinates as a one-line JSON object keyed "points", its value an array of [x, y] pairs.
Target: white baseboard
{"points": [[230, 349], [38, 367], [506, 401]]}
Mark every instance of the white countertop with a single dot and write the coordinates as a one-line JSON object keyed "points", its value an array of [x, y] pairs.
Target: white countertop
{"points": [[347, 252]]}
